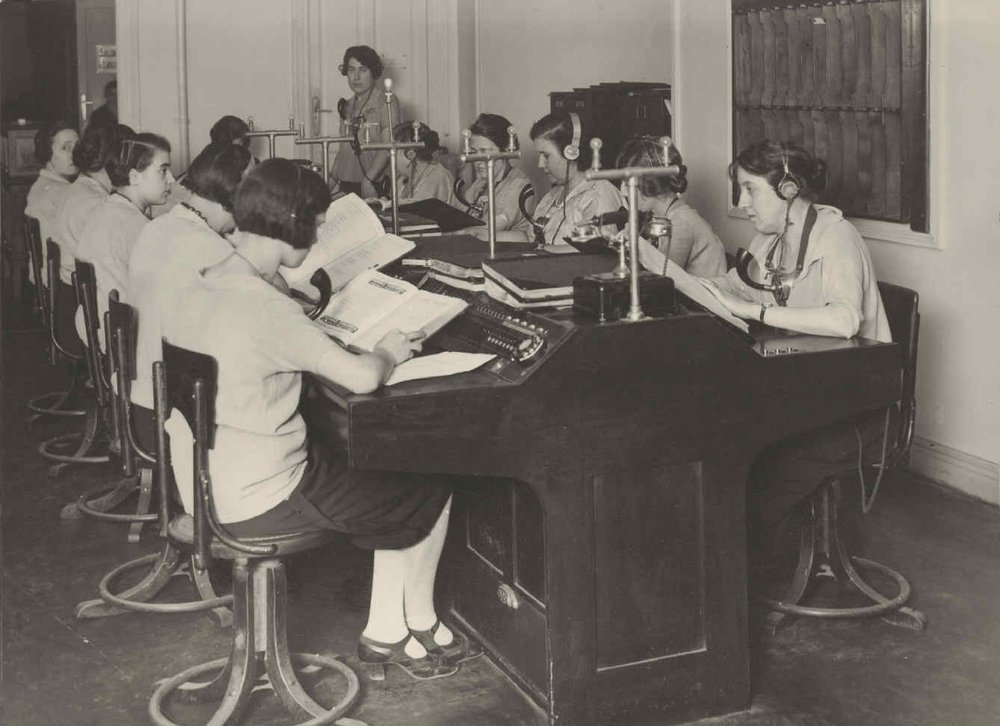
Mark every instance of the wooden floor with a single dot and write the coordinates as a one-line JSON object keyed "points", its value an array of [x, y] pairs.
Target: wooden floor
{"points": [[60, 671]]}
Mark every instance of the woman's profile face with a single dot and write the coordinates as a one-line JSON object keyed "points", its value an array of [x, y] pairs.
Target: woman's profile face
{"points": [[153, 182], [359, 76], [761, 202], [551, 161], [62, 152]]}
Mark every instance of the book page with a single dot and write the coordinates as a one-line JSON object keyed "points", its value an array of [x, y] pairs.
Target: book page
{"points": [[375, 253], [426, 311], [358, 307], [349, 223], [698, 291]]}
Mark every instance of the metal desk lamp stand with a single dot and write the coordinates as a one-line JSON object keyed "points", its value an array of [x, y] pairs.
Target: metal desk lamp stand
{"points": [[271, 134], [392, 147], [632, 174], [467, 156], [325, 141]]}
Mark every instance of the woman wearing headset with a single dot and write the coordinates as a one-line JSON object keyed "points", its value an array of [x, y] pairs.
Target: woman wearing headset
{"points": [[423, 177], [823, 283], [354, 169], [564, 156], [693, 244]]}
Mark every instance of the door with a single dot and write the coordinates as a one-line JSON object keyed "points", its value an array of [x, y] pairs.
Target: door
{"points": [[96, 55]]}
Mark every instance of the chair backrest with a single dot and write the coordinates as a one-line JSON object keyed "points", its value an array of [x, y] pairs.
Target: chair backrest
{"points": [[33, 240], [121, 326], [186, 381], [85, 279], [902, 310]]}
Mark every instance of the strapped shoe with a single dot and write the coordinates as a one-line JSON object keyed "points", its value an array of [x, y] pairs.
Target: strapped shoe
{"points": [[459, 650], [375, 656]]}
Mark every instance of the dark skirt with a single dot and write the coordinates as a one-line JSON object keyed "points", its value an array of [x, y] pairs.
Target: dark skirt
{"points": [[378, 510], [785, 474]]}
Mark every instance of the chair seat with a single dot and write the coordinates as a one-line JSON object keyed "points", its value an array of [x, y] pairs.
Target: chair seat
{"points": [[181, 531]]}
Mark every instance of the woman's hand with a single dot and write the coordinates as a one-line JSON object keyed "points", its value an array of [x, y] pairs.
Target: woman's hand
{"points": [[736, 305], [401, 346]]}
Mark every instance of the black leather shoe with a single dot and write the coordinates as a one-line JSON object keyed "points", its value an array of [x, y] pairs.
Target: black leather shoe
{"points": [[375, 656], [459, 650]]}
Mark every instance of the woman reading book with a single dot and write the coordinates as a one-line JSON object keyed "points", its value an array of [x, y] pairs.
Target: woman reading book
{"points": [[269, 474], [822, 282]]}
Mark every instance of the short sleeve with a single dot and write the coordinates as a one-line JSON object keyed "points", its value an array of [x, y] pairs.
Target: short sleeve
{"points": [[600, 199], [843, 273], [292, 340]]}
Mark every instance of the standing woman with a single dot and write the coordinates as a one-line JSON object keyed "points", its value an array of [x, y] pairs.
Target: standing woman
{"points": [[826, 286], [86, 194], [693, 244], [564, 154], [356, 170], [269, 475], [54, 144], [424, 177], [489, 136], [139, 171]]}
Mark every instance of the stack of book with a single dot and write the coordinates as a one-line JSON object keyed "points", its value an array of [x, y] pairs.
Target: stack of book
{"points": [[542, 280]]}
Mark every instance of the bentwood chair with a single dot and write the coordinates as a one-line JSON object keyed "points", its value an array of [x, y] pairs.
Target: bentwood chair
{"points": [[170, 561], [57, 449], [822, 550], [185, 382], [57, 404]]}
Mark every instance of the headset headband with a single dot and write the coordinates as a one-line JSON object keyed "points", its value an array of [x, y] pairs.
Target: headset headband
{"points": [[572, 151]]}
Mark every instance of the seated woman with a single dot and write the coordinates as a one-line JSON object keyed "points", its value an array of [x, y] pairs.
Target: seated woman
{"points": [[355, 170], [170, 250], [564, 155], [693, 244], [268, 474], [424, 177], [489, 135], [139, 170], [88, 192], [54, 144], [230, 130], [828, 287]]}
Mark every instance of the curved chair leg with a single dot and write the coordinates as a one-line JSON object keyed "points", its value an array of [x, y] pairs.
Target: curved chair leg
{"points": [[53, 404], [163, 567], [803, 573], [203, 584], [258, 610], [99, 502], [81, 455]]}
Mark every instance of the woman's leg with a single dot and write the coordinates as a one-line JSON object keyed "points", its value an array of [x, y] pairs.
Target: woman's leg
{"points": [[418, 591]]}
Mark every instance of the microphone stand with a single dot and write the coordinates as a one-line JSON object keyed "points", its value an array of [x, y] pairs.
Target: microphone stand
{"points": [[631, 174], [467, 156], [272, 133], [325, 141], [392, 147]]}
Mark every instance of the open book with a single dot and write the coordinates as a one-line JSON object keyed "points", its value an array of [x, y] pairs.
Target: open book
{"points": [[350, 241], [373, 304], [699, 291]]}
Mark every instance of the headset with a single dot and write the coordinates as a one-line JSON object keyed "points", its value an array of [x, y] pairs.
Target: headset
{"points": [[787, 187], [571, 152]]}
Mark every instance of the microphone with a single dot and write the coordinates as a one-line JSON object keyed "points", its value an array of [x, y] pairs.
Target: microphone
{"points": [[618, 218]]}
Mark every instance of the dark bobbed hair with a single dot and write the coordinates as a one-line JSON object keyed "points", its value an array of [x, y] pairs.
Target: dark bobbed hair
{"points": [[217, 171], [492, 126], [111, 85], [95, 147], [767, 158], [229, 130], [647, 151], [281, 199], [133, 152], [404, 132], [366, 56], [558, 128], [46, 136]]}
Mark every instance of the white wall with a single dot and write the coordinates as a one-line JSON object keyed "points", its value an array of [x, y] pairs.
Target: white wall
{"points": [[958, 384], [528, 48]]}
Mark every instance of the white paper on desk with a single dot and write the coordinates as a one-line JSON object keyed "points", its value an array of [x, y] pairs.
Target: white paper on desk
{"points": [[697, 290], [439, 364]]}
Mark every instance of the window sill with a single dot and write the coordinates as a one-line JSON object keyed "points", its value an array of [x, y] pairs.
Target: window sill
{"points": [[872, 229]]}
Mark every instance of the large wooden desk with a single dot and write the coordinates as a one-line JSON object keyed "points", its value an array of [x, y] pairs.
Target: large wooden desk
{"points": [[598, 545]]}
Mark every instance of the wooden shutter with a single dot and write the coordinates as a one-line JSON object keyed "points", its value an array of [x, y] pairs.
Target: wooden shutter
{"points": [[846, 81]]}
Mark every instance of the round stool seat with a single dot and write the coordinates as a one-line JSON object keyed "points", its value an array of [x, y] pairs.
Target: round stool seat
{"points": [[181, 531]]}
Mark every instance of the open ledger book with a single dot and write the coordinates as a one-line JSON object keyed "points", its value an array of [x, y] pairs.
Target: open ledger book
{"points": [[699, 291], [373, 304], [351, 240]]}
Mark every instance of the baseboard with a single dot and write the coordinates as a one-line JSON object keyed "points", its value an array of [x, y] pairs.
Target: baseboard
{"points": [[969, 474]]}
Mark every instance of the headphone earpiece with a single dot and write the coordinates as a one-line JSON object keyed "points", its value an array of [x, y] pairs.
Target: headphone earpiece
{"points": [[787, 187], [572, 151]]}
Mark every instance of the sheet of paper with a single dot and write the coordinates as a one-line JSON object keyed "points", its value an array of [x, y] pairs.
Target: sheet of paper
{"points": [[695, 289], [440, 364], [349, 222]]}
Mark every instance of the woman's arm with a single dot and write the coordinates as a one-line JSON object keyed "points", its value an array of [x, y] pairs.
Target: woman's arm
{"points": [[365, 372]]}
